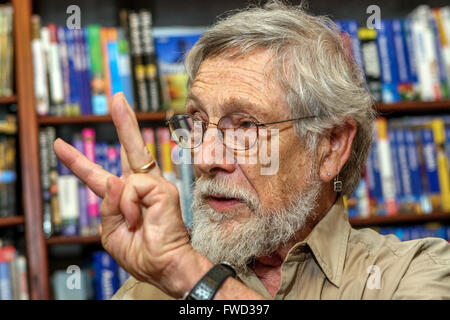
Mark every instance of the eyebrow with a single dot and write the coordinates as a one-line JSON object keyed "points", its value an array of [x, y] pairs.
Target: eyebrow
{"points": [[235, 104]]}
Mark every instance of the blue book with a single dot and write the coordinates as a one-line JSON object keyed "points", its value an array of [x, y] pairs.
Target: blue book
{"points": [[122, 275], [105, 279], [113, 55], [392, 134], [377, 192], [5, 281], [85, 70], [351, 27], [410, 58], [404, 86], [430, 163], [388, 63], [73, 78]]}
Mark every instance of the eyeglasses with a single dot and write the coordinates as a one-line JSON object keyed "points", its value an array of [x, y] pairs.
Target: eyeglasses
{"points": [[238, 131]]}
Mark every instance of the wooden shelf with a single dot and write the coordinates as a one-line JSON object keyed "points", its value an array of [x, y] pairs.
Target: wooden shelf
{"points": [[73, 240], [399, 219], [11, 221], [8, 100], [414, 107], [53, 120]]}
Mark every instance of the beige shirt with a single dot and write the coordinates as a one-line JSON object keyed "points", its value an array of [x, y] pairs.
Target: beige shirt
{"points": [[338, 262]]}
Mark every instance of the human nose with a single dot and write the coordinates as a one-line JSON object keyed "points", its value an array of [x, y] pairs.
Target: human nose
{"points": [[212, 156]]}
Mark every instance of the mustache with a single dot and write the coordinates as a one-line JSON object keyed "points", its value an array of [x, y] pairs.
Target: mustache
{"points": [[220, 188]]}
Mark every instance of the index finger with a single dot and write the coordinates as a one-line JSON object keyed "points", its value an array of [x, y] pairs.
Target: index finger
{"points": [[129, 134], [93, 175]]}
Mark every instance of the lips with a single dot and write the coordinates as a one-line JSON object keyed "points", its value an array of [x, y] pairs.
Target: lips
{"points": [[222, 203]]}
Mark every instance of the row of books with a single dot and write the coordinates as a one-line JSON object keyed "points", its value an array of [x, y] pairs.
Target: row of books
{"points": [[405, 233], [78, 71], [13, 274], [6, 50], [404, 59], [98, 279], [8, 165], [407, 170], [70, 208]]}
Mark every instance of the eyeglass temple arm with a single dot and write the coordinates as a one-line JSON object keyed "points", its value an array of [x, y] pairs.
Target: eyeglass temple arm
{"points": [[281, 121]]}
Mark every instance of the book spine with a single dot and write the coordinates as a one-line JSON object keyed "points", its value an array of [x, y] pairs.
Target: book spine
{"points": [[55, 71], [7, 255], [386, 168], [137, 63], [45, 182], [39, 67], [53, 175], [444, 31], [113, 55], [8, 49], [21, 278], [351, 27], [425, 53], [64, 61], [69, 204], [163, 136], [438, 128], [104, 37], [88, 135], [371, 61], [125, 68], [79, 70], [430, 163], [75, 109], [99, 101], [408, 199], [86, 76], [105, 275], [404, 87], [84, 228], [393, 145], [437, 29], [389, 74], [149, 60], [411, 58]]}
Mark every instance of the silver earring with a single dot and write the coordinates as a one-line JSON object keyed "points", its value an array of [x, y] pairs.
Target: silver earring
{"points": [[329, 174], [337, 184]]}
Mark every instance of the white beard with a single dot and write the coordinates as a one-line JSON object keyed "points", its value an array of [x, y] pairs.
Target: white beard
{"points": [[260, 234]]}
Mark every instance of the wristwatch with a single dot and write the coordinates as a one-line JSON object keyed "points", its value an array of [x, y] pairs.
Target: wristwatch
{"points": [[208, 286]]}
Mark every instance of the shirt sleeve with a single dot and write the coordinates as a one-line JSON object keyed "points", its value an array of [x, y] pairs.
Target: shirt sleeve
{"points": [[428, 276]]}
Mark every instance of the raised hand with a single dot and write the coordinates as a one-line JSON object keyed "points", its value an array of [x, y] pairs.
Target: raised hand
{"points": [[141, 223]]}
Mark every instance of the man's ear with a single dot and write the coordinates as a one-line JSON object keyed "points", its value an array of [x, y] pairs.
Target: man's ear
{"points": [[336, 149]]}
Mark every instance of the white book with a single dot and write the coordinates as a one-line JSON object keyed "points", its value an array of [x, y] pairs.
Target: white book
{"points": [[39, 71], [55, 74], [425, 52], [445, 40], [68, 197]]}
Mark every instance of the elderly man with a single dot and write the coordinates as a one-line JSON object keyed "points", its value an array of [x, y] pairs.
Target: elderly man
{"points": [[279, 73]]}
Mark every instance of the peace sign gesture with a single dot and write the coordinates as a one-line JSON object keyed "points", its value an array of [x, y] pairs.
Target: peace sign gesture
{"points": [[141, 222]]}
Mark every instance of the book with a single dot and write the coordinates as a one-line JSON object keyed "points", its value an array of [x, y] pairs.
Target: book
{"points": [[88, 135], [105, 278], [371, 62], [388, 62], [171, 45]]}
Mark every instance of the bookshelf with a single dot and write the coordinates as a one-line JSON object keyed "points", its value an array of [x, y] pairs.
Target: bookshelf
{"points": [[166, 13], [8, 100], [11, 221]]}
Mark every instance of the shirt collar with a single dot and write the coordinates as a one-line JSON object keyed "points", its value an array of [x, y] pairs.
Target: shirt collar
{"points": [[328, 242]]}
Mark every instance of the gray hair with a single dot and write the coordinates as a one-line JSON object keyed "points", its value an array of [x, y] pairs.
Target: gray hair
{"points": [[311, 62]]}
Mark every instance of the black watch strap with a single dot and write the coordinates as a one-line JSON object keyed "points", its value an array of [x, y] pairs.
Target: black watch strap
{"points": [[208, 286]]}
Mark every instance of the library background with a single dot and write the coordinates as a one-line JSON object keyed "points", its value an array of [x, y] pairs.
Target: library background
{"points": [[57, 81]]}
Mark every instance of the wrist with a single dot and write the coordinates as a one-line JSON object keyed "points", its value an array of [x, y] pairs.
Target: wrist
{"points": [[187, 271]]}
